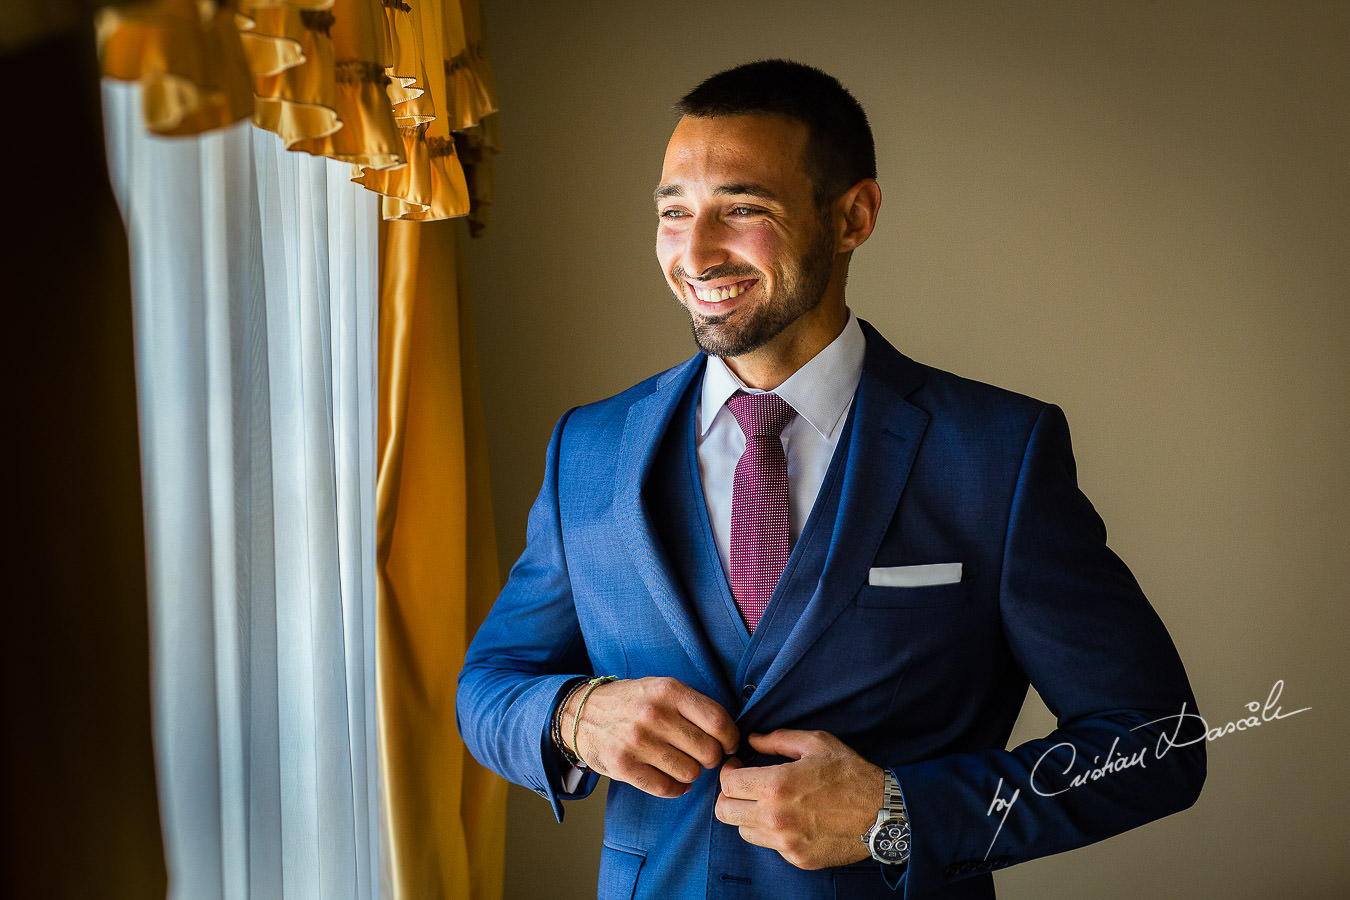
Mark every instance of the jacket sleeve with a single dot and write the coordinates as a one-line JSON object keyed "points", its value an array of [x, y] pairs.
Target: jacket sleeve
{"points": [[1081, 629], [527, 650]]}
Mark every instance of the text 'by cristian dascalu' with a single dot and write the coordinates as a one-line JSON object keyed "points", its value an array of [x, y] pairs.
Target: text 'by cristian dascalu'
{"points": [[1058, 770]]}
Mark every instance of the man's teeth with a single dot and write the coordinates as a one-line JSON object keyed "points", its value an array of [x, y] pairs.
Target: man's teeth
{"points": [[717, 295]]}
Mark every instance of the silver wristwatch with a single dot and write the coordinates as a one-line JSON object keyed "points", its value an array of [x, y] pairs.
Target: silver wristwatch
{"points": [[888, 838]]}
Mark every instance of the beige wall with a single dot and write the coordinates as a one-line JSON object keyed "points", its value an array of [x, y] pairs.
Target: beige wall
{"points": [[1138, 210]]}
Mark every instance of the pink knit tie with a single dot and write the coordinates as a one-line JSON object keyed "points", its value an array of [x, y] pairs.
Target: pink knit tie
{"points": [[761, 537]]}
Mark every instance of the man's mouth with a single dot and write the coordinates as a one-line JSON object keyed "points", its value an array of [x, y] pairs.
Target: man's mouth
{"points": [[722, 292]]}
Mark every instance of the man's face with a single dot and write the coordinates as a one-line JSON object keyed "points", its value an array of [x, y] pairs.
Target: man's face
{"points": [[743, 245]]}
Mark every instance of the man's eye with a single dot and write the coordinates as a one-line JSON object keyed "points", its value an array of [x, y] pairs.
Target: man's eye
{"points": [[744, 211], [672, 214]]}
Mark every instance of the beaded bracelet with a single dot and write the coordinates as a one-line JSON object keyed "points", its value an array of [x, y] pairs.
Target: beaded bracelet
{"points": [[555, 730], [576, 721]]}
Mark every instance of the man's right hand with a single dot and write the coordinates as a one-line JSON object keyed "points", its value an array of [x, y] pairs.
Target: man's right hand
{"points": [[656, 734]]}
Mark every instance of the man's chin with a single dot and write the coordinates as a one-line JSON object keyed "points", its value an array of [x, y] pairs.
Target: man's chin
{"points": [[705, 321], [725, 341], [709, 337], [710, 329]]}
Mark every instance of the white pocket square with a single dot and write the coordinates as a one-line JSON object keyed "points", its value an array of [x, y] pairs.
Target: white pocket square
{"points": [[915, 576]]}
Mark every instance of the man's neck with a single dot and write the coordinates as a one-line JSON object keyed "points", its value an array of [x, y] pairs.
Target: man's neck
{"points": [[774, 363]]}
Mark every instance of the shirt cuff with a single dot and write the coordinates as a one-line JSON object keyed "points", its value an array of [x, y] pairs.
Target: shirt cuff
{"points": [[571, 779]]}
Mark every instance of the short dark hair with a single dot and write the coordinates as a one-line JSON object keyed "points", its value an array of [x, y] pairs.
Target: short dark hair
{"points": [[840, 151]]}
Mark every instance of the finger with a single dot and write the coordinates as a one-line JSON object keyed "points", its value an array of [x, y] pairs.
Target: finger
{"points": [[710, 718], [752, 782], [691, 739], [790, 743], [677, 764], [731, 765], [760, 837], [651, 780], [663, 707], [734, 812], [653, 745]]}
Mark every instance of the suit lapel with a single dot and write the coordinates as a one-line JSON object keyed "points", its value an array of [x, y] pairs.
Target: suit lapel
{"points": [[887, 431], [646, 425]]}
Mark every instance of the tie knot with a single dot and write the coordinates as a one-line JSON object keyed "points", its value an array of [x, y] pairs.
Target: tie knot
{"points": [[761, 415]]}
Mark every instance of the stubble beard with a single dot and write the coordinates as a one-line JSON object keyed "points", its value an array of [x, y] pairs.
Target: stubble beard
{"points": [[797, 293]]}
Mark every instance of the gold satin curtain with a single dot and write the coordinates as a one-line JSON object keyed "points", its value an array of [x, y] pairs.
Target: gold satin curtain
{"points": [[437, 558], [402, 91]]}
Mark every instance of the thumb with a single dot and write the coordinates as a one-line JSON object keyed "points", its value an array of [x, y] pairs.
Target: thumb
{"points": [[788, 742]]}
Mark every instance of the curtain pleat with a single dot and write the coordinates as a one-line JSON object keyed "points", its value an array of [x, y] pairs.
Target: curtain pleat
{"points": [[254, 333], [445, 828]]}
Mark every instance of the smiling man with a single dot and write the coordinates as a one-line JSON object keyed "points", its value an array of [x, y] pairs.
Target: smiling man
{"points": [[789, 595], [747, 246]]}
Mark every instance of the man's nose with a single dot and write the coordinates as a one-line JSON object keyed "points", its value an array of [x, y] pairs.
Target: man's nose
{"points": [[704, 248]]}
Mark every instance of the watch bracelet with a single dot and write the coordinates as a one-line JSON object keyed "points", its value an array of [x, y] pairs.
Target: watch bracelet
{"points": [[892, 798], [893, 805]]}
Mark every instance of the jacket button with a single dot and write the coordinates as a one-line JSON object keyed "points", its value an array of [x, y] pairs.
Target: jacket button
{"points": [[747, 691]]}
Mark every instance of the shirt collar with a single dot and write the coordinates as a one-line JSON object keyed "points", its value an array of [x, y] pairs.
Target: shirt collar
{"points": [[819, 391]]}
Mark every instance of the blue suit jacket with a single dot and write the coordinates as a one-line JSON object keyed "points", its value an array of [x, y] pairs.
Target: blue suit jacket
{"points": [[620, 577]]}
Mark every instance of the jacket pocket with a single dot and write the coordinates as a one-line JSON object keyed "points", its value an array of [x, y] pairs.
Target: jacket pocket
{"points": [[877, 597], [619, 868]]}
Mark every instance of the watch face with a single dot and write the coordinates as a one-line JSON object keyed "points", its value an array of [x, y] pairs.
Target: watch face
{"points": [[891, 842]]}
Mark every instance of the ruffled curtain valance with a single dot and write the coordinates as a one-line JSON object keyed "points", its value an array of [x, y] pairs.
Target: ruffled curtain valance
{"points": [[400, 90]]}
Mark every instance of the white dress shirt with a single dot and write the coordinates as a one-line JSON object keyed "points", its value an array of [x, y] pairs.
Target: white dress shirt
{"points": [[821, 392]]}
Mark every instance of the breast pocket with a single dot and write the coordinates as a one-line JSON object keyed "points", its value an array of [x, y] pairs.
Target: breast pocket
{"points": [[872, 596]]}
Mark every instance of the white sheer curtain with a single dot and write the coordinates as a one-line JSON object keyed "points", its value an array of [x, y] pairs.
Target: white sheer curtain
{"points": [[254, 275]]}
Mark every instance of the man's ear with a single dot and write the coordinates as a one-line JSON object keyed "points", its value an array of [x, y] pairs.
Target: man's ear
{"points": [[857, 208]]}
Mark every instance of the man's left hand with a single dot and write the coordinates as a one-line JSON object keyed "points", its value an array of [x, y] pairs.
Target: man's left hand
{"points": [[812, 810]]}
